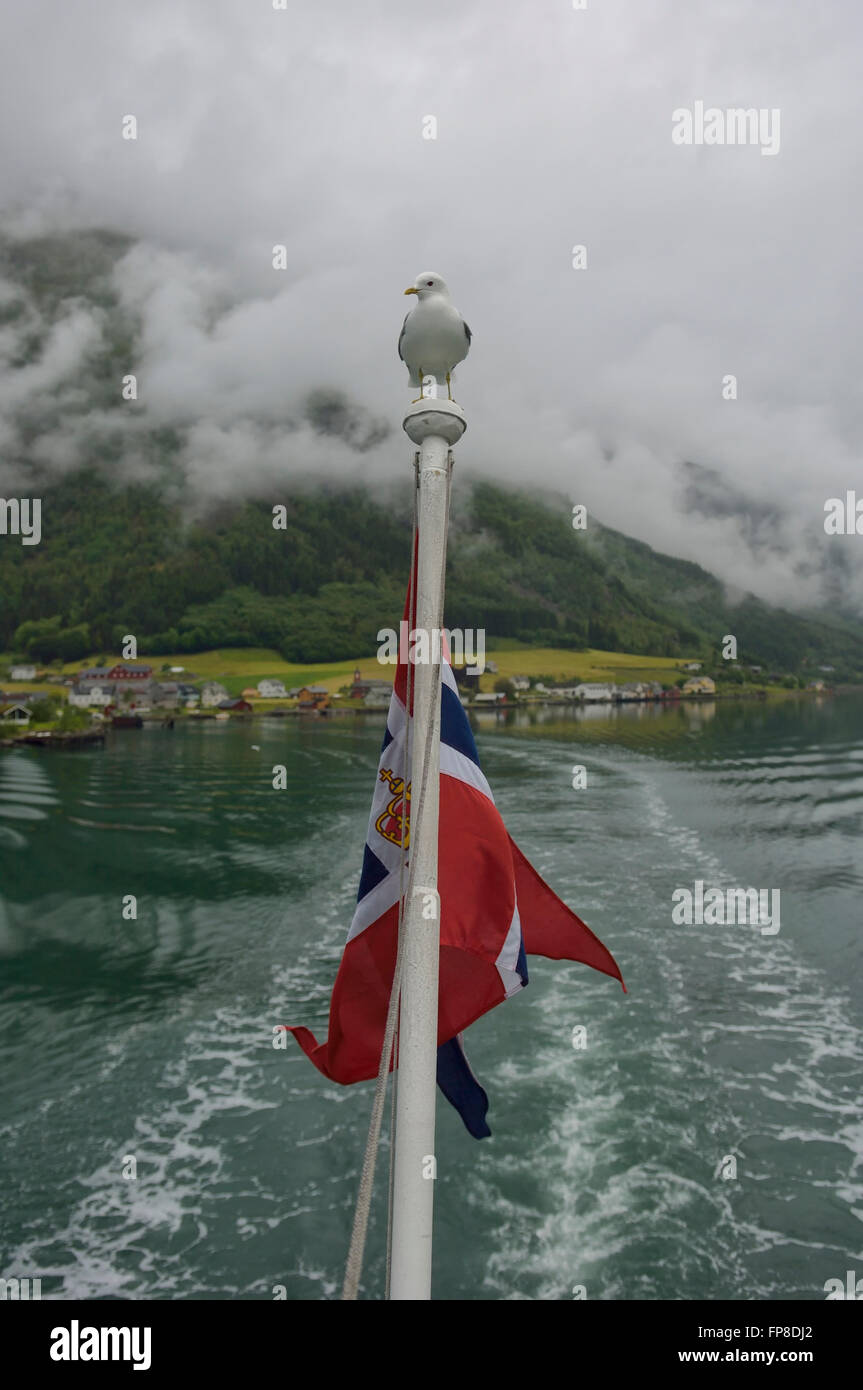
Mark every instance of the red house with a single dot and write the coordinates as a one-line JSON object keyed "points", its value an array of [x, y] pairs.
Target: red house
{"points": [[236, 706]]}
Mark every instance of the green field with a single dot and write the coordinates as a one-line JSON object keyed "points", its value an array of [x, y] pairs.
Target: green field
{"points": [[235, 667], [238, 667], [591, 665]]}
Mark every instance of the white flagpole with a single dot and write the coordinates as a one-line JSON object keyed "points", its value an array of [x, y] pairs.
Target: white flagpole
{"points": [[434, 425]]}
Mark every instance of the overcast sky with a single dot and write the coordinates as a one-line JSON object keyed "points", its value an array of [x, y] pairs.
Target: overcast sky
{"points": [[305, 127]]}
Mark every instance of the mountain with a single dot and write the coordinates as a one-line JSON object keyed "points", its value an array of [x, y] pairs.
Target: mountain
{"points": [[130, 543], [120, 558]]}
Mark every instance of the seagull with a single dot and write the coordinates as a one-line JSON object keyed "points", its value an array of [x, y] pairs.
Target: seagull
{"points": [[434, 335]]}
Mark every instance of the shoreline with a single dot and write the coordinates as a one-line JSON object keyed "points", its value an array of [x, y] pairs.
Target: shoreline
{"points": [[97, 734]]}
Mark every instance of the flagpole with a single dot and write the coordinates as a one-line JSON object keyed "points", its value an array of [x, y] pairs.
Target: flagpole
{"points": [[433, 425]]}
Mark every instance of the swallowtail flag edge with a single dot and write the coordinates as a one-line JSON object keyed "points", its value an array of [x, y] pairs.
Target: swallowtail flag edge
{"points": [[495, 910]]}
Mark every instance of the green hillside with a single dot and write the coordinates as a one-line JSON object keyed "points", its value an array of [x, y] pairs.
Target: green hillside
{"points": [[119, 557], [115, 560]]}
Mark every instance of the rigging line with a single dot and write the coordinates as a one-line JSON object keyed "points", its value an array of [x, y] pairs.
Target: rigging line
{"points": [[356, 1250]]}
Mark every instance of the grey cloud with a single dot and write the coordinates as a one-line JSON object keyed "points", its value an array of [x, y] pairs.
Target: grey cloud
{"points": [[259, 127]]}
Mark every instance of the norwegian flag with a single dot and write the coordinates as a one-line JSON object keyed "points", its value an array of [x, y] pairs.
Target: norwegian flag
{"points": [[495, 909]]}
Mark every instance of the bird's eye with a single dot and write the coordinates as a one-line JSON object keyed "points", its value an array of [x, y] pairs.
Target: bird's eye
{"points": [[429, 282]]}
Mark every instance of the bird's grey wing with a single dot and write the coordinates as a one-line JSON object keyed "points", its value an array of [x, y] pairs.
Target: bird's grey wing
{"points": [[402, 334], [467, 333]]}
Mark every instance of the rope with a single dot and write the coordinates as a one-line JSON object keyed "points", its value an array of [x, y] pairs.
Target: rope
{"points": [[356, 1250], [405, 770]]}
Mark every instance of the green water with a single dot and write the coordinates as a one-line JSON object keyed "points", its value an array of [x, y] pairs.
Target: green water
{"points": [[151, 1038]]}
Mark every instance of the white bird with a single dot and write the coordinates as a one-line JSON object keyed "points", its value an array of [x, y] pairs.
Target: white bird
{"points": [[434, 336]]}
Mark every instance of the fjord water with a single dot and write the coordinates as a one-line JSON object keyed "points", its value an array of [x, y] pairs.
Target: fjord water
{"points": [[151, 1039]]}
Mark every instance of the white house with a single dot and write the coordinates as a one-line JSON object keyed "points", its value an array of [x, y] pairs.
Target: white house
{"points": [[22, 673], [271, 689], [692, 665], [699, 685], [490, 697], [212, 694], [595, 691], [378, 695], [95, 697], [521, 683]]}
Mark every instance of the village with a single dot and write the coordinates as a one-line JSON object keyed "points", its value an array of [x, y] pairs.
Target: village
{"points": [[128, 695]]}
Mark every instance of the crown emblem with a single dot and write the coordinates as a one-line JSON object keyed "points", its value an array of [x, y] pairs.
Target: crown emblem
{"points": [[389, 822]]}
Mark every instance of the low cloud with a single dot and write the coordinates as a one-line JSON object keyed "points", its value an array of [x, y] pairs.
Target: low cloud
{"points": [[259, 127]]}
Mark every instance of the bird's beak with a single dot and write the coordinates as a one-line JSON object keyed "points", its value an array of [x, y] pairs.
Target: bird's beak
{"points": [[412, 290]]}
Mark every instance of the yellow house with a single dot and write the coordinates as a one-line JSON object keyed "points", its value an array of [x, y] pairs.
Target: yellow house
{"points": [[700, 685]]}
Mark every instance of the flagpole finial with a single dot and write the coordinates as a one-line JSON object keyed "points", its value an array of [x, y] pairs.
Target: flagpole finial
{"points": [[429, 416]]}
